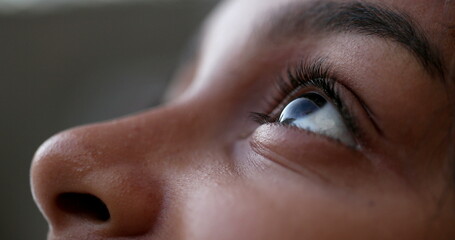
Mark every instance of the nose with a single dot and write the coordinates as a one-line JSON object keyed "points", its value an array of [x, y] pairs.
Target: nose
{"points": [[103, 180]]}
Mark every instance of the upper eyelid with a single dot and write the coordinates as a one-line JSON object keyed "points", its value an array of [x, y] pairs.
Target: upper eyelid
{"points": [[290, 82], [371, 115], [319, 75], [340, 81]]}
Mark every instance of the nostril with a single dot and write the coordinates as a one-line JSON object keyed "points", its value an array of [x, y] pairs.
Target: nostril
{"points": [[84, 206]]}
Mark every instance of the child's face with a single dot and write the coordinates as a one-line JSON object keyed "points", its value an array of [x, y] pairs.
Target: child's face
{"points": [[361, 153]]}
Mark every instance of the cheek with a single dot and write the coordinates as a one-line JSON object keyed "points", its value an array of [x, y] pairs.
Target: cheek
{"points": [[237, 211], [256, 209], [269, 206]]}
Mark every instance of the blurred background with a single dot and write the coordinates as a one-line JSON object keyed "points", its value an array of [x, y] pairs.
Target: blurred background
{"points": [[70, 62]]}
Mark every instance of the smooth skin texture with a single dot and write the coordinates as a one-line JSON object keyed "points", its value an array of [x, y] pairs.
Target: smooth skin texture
{"points": [[199, 168]]}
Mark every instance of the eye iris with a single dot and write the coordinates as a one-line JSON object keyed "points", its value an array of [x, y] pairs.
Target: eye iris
{"points": [[314, 113], [305, 105]]}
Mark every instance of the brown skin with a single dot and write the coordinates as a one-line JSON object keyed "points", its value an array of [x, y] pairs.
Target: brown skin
{"points": [[199, 168]]}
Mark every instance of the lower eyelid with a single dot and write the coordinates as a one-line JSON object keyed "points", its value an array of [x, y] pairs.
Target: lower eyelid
{"points": [[308, 135], [306, 153], [290, 140]]}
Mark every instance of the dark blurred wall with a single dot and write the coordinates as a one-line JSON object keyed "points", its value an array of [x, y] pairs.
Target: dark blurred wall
{"points": [[63, 68]]}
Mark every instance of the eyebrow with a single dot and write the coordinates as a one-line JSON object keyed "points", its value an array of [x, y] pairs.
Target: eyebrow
{"points": [[362, 18]]}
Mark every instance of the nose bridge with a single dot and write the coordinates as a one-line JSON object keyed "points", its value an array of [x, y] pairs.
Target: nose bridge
{"points": [[135, 141], [115, 167]]}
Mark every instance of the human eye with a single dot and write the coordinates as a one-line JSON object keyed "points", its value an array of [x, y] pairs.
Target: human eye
{"points": [[309, 99], [312, 112]]}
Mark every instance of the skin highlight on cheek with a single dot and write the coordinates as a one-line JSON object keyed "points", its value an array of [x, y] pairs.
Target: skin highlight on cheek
{"points": [[258, 207]]}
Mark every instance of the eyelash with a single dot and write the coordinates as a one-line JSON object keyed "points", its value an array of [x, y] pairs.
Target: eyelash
{"points": [[306, 75]]}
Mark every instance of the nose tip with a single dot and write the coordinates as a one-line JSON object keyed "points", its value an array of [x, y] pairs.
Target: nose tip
{"points": [[86, 191]]}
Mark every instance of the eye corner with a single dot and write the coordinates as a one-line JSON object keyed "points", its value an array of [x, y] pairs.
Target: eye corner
{"points": [[261, 118]]}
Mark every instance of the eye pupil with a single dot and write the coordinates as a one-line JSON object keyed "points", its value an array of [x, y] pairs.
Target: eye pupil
{"points": [[316, 98], [303, 106]]}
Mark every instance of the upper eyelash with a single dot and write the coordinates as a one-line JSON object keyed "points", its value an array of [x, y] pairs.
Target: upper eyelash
{"points": [[315, 74]]}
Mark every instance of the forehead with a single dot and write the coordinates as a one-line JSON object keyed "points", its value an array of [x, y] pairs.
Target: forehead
{"points": [[237, 27], [438, 10], [238, 21]]}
